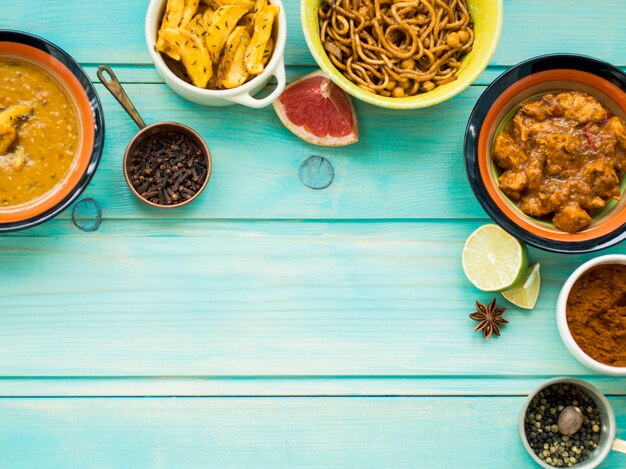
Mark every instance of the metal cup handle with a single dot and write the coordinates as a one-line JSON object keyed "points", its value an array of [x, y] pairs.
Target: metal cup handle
{"points": [[619, 445], [115, 88]]}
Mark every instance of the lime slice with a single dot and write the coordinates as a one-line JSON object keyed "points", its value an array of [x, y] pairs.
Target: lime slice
{"points": [[493, 260], [526, 293]]}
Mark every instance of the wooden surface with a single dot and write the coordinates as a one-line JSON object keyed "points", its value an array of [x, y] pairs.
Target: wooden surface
{"points": [[269, 324]]}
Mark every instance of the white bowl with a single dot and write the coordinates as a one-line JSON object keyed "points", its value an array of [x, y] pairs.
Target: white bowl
{"points": [[242, 94], [561, 316]]}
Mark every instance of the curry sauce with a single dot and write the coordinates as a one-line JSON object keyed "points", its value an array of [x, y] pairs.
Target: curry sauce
{"points": [[39, 132], [562, 156]]}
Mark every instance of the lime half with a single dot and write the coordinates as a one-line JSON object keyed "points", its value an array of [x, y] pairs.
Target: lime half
{"points": [[493, 260], [526, 293]]}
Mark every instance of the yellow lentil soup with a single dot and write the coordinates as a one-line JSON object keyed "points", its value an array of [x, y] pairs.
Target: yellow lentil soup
{"points": [[40, 132]]}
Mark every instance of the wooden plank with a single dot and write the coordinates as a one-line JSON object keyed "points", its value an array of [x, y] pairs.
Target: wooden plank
{"points": [[241, 302], [406, 165], [268, 432], [309, 386], [304, 229], [128, 73], [112, 31]]}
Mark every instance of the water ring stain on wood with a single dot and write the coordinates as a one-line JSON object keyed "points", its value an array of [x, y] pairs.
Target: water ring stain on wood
{"points": [[87, 215], [316, 172]]}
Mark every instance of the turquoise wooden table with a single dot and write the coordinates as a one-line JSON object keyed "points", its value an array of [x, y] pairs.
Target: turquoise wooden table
{"points": [[269, 324]]}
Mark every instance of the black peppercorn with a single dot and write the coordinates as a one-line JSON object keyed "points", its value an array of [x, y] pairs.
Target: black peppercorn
{"points": [[562, 425]]}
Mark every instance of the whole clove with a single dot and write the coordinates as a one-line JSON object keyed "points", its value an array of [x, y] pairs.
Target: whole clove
{"points": [[167, 168]]}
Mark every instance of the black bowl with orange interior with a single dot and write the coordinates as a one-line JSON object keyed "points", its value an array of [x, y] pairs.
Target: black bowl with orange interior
{"points": [[56, 71], [495, 107]]}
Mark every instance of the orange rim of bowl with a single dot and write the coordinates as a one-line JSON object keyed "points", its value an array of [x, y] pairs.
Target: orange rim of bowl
{"points": [[82, 159], [484, 163]]}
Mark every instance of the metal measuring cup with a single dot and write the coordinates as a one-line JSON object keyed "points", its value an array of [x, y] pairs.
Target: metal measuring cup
{"points": [[146, 131], [607, 441]]}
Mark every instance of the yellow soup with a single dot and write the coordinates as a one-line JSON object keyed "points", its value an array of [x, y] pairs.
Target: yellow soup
{"points": [[39, 132]]}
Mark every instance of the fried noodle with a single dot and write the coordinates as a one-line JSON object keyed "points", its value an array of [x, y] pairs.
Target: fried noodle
{"points": [[396, 47]]}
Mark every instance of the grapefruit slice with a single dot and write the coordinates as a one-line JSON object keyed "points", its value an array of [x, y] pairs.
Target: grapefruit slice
{"points": [[318, 111]]}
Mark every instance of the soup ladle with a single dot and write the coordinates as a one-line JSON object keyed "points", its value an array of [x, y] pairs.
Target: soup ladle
{"points": [[112, 84]]}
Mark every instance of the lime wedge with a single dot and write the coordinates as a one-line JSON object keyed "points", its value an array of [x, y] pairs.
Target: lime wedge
{"points": [[493, 260], [526, 293]]}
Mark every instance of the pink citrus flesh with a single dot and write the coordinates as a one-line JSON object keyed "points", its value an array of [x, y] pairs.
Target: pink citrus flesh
{"points": [[318, 111]]}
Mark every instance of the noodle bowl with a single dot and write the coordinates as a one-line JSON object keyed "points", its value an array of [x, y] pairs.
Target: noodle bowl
{"points": [[396, 48]]}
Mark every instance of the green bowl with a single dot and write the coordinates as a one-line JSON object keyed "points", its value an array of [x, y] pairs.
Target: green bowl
{"points": [[487, 18]]}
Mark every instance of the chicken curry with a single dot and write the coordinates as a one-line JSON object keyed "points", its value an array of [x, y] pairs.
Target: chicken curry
{"points": [[39, 132], [562, 156]]}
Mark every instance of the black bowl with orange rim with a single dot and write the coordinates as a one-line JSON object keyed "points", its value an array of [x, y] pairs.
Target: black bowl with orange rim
{"points": [[56, 62], [534, 77]]}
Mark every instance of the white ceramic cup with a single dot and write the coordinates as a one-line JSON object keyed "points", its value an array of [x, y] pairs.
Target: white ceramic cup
{"points": [[607, 419], [561, 316], [243, 94]]}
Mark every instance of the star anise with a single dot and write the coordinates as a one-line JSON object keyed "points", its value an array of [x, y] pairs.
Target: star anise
{"points": [[489, 318]]}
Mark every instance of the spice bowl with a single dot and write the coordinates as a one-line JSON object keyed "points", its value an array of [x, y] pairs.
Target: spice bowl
{"points": [[607, 430], [155, 131], [561, 315], [167, 164]]}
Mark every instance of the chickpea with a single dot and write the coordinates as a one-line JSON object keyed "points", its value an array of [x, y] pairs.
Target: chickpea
{"points": [[428, 85], [404, 84], [397, 92], [464, 36], [391, 85], [453, 40], [408, 63]]}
